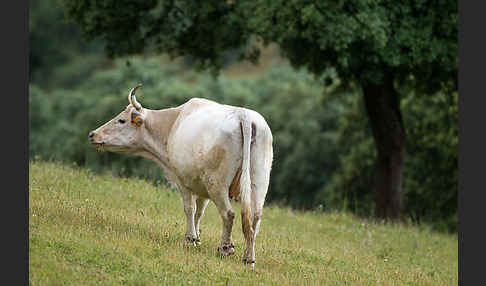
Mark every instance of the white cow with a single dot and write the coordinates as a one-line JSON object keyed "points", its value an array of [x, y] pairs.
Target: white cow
{"points": [[208, 151]]}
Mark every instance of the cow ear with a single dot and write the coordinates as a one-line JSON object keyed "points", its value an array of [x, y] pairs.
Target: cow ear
{"points": [[137, 118]]}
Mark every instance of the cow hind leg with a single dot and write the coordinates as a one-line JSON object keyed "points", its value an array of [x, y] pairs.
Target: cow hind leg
{"points": [[221, 200], [261, 161], [250, 236], [201, 204]]}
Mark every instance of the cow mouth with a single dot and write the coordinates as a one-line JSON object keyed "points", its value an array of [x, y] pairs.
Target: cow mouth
{"points": [[98, 145], [102, 146]]}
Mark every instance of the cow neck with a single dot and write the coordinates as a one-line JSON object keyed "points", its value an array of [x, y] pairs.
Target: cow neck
{"points": [[158, 124]]}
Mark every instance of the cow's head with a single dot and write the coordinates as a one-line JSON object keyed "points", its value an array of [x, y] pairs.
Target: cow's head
{"points": [[122, 133]]}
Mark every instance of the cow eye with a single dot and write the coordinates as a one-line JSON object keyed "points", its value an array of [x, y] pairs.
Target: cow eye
{"points": [[121, 121]]}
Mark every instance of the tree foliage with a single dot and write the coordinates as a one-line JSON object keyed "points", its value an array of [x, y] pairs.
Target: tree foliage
{"points": [[361, 39]]}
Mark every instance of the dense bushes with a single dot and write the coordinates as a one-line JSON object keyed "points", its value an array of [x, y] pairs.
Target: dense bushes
{"points": [[302, 118], [324, 152], [431, 175], [53, 43]]}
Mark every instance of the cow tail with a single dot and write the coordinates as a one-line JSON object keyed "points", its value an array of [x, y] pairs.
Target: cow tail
{"points": [[245, 180]]}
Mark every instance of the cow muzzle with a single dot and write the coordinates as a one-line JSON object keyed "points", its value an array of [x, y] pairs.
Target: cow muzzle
{"points": [[91, 137]]}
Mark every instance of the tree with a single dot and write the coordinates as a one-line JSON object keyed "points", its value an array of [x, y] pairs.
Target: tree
{"points": [[377, 46]]}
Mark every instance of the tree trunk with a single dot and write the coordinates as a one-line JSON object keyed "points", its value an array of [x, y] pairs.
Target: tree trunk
{"points": [[383, 109]]}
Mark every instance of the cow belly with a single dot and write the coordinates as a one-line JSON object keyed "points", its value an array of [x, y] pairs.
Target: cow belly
{"points": [[196, 186]]}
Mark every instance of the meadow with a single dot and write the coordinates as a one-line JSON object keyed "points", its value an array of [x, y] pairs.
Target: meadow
{"points": [[89, 229]]}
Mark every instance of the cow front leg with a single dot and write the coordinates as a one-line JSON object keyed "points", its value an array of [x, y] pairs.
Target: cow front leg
{"points": [[201, 204], [189, 209]]}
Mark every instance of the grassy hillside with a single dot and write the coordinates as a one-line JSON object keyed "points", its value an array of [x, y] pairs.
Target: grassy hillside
{"points": [[86, 229]]}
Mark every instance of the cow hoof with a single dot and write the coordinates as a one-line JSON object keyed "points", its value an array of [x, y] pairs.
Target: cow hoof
{"points": [[248, 261], [251, 262], [226, 250], [192, 241]]}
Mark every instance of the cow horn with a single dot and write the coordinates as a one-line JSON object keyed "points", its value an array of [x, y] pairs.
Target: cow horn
{"points": [[132, 99]]}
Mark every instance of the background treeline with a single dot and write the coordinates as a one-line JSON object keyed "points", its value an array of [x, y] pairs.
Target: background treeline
{"points": [[324, 152]]}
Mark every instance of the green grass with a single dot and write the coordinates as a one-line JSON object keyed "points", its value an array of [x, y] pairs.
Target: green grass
{"points": [[87, 229]]}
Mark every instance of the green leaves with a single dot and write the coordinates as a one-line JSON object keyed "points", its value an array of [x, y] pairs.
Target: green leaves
{"points": [[359, 38]]}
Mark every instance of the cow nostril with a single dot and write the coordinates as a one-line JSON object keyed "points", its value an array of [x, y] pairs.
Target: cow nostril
{"points": [[91, 134]]}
